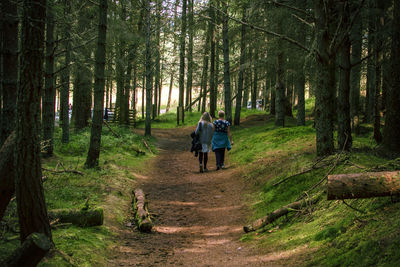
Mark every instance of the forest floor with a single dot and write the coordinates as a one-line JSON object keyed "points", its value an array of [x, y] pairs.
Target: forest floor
{"points": [[198, 217]]}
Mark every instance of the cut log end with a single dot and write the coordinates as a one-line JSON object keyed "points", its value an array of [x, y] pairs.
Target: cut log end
{"points": [[363, 185]]}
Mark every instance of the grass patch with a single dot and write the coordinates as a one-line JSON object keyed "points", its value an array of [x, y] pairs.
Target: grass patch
{"points": [[334, 234], [112, 180]]}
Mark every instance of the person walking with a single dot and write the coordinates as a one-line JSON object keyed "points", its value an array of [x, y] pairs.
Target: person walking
{"points": [[222, 139], [205, 130]]}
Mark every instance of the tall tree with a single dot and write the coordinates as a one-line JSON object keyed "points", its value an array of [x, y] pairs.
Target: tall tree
{"points": [[171, 81], [378, 55], [31, 204], [50, 90], [65, 78], [325, 15], [213, 91], [227, 78], [82, 95], [148, 68], [182, 44], [343, 109], [355, 72], [157, 76], [189, 80], [92, 159], [241, 69], [391, 137], [9, 67]]}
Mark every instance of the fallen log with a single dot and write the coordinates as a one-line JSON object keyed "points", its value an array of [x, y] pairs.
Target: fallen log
{"points": [[30, 253], [363, 185], [141, 214], [79, 217], [276, 214], [111, 130], [7, 186], [147, 146]]}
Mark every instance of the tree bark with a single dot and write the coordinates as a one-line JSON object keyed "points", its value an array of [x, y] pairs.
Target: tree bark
{"points": [[241, 69], [204, 75], [64, 95], [189, 80], [391, 136], [82, 94], [7, 173], [157, 59], [279, 90], [92, 159], [213, 91], [227, 81], [355, 74], [50, 90], [370, 94], [171, 82], [182, 44], [378, 55], [363, 185], [28, 180], [343, 111], [326, 80], [9, 68], [148, 70]]}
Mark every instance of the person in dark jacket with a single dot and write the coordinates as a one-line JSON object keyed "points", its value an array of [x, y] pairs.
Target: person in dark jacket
{"points": [[196, 145]]}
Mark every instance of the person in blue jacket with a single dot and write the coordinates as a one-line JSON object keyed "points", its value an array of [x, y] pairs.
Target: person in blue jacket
{"points": [[222, 139], [205, 131]]}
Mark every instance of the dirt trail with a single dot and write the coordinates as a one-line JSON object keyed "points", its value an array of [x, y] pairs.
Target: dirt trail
{"points": [[198, 217]]}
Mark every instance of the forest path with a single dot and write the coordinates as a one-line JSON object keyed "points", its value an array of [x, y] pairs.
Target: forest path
{"points": [[198, 217]]}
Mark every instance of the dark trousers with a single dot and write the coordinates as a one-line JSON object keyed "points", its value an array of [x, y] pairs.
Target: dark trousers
{"points": [[203, 156], [220, 156]]}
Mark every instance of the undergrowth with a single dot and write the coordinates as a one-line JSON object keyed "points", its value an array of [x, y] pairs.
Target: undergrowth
{"points": [[363, 233], [113, 178]]}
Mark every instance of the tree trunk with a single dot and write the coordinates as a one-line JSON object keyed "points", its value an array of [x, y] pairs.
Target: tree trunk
{"points": [[50, 90], [363, 185], [343, 111], [171, 82], [28, 180], [213, 91], [148, 70], [9, 68], [157, 62], [326, 80], [82, 94], [204, 75], [227, 78], [254, 91], [241, 69], [189, 80], [289, 95], [182, 44], [280, 90], [391, 136], [65, 78], [370, 94], [355, 74], [379, 19], [7, 173], [92, 159]]}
